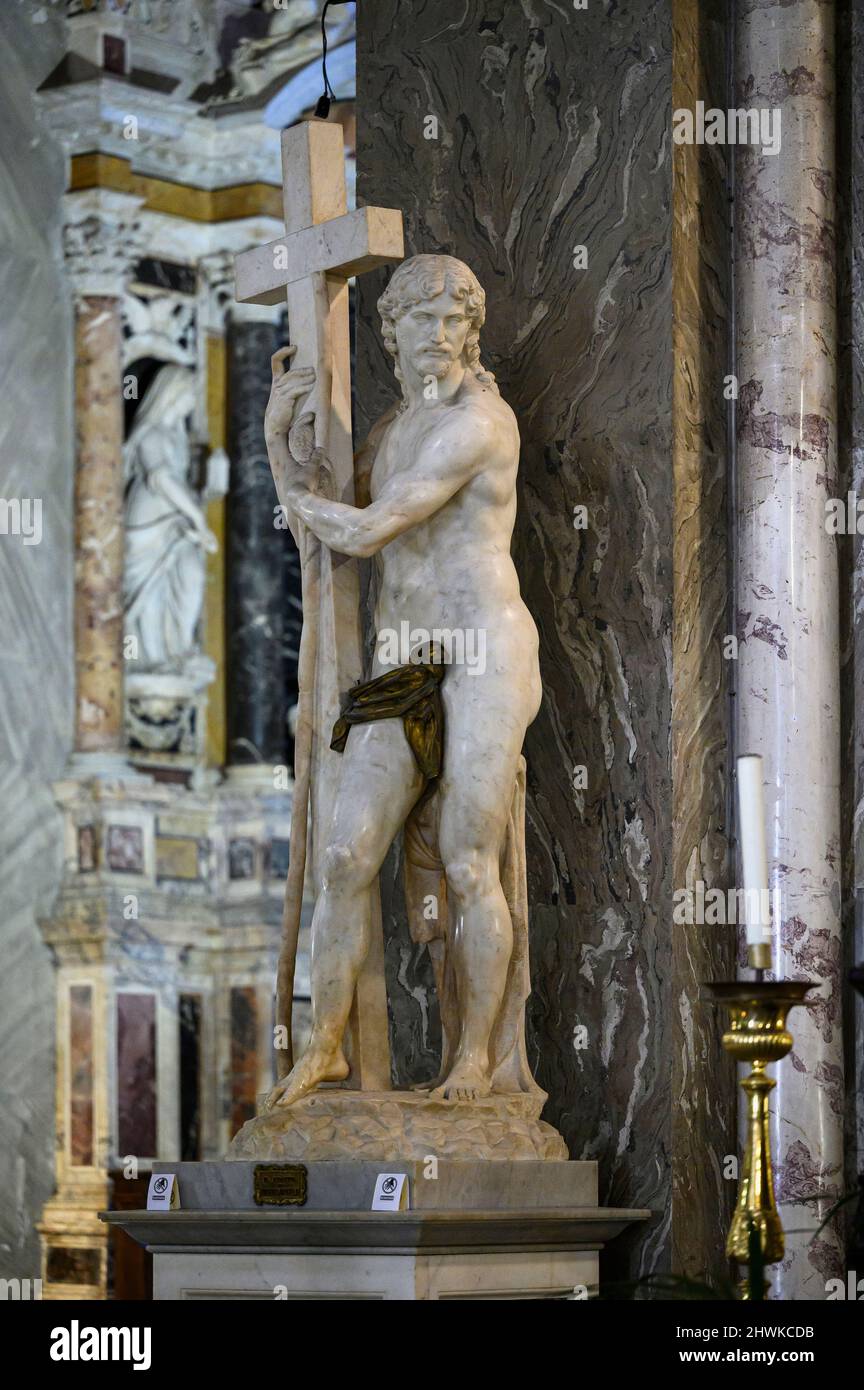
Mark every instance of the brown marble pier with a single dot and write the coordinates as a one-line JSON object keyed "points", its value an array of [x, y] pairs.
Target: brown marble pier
{"points": [[98, 525]]}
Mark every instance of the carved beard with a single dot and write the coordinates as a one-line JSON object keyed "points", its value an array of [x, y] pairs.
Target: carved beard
{"points": [[444, 366], [440, 363]]}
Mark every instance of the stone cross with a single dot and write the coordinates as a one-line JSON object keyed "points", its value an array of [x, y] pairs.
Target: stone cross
{"points": [[310, 265]]}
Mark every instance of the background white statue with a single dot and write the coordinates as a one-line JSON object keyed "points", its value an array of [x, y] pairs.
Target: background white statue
{"points": [[166, 529]]}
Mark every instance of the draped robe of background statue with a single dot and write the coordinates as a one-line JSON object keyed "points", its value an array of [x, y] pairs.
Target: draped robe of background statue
{"points": [[436, 492], [166, 540]]}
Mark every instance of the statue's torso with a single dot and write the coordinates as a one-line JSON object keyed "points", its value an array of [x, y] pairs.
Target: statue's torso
{"points": [[455, 571]]}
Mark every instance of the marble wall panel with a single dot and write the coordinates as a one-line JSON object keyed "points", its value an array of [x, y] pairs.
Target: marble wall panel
{"points": [[244, 1055], [189, 1024], [124, 849], [548, 130], [36, 672], [703, 1075], [262, 612], [136, 1074], [66, 1265], [80, 1061]]}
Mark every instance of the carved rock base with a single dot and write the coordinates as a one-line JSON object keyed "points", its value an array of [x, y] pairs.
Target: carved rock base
{"points": [[390, 1126]]}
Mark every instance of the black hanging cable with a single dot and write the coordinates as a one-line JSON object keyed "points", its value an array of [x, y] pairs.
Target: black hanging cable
{"points": [[328, 95]]}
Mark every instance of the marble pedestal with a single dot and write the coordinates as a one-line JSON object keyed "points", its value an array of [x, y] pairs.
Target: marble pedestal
{"points": [[482, 1230], [393, 1126]]}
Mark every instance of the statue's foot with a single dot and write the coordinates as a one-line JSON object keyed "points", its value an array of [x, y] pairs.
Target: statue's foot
{"points": [[317, 1064], [467, 1081]]}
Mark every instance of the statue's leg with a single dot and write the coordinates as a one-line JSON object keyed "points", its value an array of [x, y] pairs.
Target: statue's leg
{"points": [[188, 595], [483, 741], [378, 785], [149, 628]]}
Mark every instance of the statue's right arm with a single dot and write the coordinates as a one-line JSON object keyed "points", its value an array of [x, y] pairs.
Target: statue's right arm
{"points": [[364, 459], [444, 464]]}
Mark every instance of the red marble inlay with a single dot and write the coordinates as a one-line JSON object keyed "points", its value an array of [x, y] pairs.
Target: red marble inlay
{"points": [[244, 1055], [86, 849], [136, 1075]]}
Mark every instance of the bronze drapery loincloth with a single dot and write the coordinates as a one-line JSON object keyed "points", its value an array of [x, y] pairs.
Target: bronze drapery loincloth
{"points": [[410, 693]]}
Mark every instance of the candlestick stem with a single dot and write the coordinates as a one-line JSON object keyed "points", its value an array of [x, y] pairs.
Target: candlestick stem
{"points": [[757, 1035]]}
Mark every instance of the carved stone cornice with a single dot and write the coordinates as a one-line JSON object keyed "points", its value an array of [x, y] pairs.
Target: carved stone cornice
{"points": [[216, 289], [103, 238]]}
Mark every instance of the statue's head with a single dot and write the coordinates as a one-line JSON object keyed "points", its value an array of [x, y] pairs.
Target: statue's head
{"points": [[431, 315], [169, 398], [167, 402]]}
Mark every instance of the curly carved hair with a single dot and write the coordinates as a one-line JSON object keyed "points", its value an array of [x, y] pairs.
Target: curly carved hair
{"points": [[423, 277]]}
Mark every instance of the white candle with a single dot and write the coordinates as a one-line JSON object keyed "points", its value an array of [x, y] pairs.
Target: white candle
{"points": [[754, 861]]}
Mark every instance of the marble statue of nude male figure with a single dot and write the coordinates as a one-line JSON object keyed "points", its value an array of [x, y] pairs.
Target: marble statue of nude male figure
{"points": [[437, 492]]}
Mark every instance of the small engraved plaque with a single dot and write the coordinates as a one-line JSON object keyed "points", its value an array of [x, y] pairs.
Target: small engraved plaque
{"points": [[279, 1185]]}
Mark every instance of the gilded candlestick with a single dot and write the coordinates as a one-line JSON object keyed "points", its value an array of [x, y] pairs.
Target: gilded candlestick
{"points": [[757, 1034]]}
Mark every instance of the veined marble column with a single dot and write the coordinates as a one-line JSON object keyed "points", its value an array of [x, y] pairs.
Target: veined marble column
{"points": [[850, 335], [98, 525], [101, 241], [787, 599], [263, 605]]}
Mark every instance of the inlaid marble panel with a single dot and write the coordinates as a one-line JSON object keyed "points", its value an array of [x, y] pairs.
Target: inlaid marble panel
{"points": [[511, 135], [262, 601], [180, 857], [124, 849], [241, 858], [86, 849], [68, 1265], [277, 857], [136, 1074], [80, 1062], [244, 1055], [189, 1025]]}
